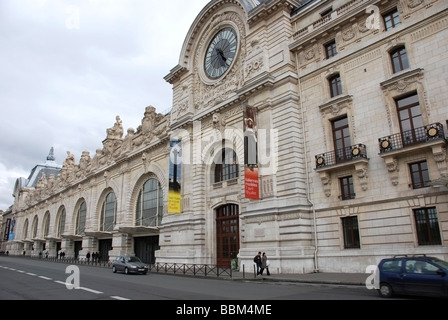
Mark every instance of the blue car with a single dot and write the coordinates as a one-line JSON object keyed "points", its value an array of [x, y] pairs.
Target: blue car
{"points": [[419, 275]]}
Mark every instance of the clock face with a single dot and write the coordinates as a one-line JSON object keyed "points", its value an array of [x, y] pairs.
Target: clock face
{"points": [[220, 53]]}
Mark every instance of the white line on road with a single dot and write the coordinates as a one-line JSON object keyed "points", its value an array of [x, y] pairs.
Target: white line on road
{"points": [[119, 298], [90, 290]]}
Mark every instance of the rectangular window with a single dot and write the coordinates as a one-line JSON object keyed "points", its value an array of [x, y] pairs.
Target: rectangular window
{"points": [[419, 174], [341, 139], [347, 191], [427, 226], [351, 232], [391, 19], [410, 116], [330, 49]]}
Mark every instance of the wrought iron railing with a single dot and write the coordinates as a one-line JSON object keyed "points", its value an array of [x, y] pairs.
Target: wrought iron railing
{"points": [[201, 270], [407, 138], [341, 155]]}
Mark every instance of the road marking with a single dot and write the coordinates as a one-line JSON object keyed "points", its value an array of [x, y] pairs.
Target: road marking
{"points": [[119, 298], [64, 283], [90, 290]]}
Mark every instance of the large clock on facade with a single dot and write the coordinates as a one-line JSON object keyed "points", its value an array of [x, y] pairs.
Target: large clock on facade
{"points": [[220, 53]]}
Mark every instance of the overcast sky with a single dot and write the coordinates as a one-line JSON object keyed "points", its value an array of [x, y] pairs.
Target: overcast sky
{"points": [[69, 67]]}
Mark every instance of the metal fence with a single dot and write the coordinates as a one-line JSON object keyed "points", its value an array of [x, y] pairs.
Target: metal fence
{"points": [[201, 270]]}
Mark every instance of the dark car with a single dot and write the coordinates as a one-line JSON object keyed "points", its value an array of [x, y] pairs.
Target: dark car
{"points": [[129, 264], [419, 275]]}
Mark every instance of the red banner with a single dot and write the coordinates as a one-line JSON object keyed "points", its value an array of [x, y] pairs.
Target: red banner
{"points": [[251, 180]]}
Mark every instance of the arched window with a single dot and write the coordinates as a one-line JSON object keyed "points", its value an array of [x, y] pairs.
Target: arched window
{"points": [[61, 223], [81, 219], [335, 85], [46, 225], [399, 59], [226, 166], [25, 229], [34, 227], [149, 210], [108, 210]]}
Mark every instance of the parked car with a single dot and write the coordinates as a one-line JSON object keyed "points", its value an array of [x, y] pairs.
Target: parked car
{"points": [[129, 264], [413, 275]]}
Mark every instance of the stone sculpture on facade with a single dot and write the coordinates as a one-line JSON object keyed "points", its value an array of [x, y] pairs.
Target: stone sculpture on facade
{"points": [[84, 164], [116, 132]]}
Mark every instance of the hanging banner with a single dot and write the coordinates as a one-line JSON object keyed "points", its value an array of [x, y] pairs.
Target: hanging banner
{"points": [[11, 230], [251, 181], [174, 192], [8, 225]]}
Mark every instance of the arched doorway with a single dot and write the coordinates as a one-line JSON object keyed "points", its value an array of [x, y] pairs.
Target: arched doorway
{"points": [[227, 234]]}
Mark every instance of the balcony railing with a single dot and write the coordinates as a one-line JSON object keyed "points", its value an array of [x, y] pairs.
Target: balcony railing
{"points": [[341, 155], [407, 138]]}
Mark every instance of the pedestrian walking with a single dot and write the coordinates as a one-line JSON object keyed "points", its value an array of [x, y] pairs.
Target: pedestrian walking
{"points": [[265, 264], [257, 260]]}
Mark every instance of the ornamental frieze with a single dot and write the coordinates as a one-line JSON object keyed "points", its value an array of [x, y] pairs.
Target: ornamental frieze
{"points": [[214, 94]]}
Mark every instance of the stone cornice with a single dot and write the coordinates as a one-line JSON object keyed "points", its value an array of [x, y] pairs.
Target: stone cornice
{"points": [[263, 10], [175, 74]]}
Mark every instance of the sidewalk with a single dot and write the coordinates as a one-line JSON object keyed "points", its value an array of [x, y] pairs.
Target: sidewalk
{"points": [[318, 277], [321, 277]]}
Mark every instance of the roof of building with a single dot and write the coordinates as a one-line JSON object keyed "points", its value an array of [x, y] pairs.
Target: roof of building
{"points": [[50, 167]]}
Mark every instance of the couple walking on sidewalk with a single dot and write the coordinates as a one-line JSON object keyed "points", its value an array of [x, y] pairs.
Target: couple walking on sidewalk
{"points": [[262, 263]]}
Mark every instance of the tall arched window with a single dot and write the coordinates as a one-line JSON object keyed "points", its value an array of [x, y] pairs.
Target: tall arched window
{"points": [[149, 210], [46, 225], [61, 223], [81, 218], [34, 227], [25, 229], [108, 210], [226, 167]]}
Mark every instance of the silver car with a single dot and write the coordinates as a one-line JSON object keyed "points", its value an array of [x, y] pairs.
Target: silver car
{"points": [[129, 264]]}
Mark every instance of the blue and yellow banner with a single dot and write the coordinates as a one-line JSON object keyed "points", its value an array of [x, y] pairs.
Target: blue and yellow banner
{"points": [[175, 170]]}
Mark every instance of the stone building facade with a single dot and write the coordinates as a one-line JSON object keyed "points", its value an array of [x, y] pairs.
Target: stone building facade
{"points": [[346, 100]]}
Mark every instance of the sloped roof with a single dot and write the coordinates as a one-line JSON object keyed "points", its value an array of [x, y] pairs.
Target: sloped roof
{"points": [[48, 168]]}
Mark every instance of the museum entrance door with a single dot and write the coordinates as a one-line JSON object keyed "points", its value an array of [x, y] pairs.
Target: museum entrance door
{"points": [[227, 234]]}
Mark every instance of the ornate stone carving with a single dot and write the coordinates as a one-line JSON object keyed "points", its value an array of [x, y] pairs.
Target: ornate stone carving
{"points": [[209, 93], [84, 163], [128, 145], [392, 167], [326, 181], [362, 173], [148, 120], [219, 121], [116, 132]]}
